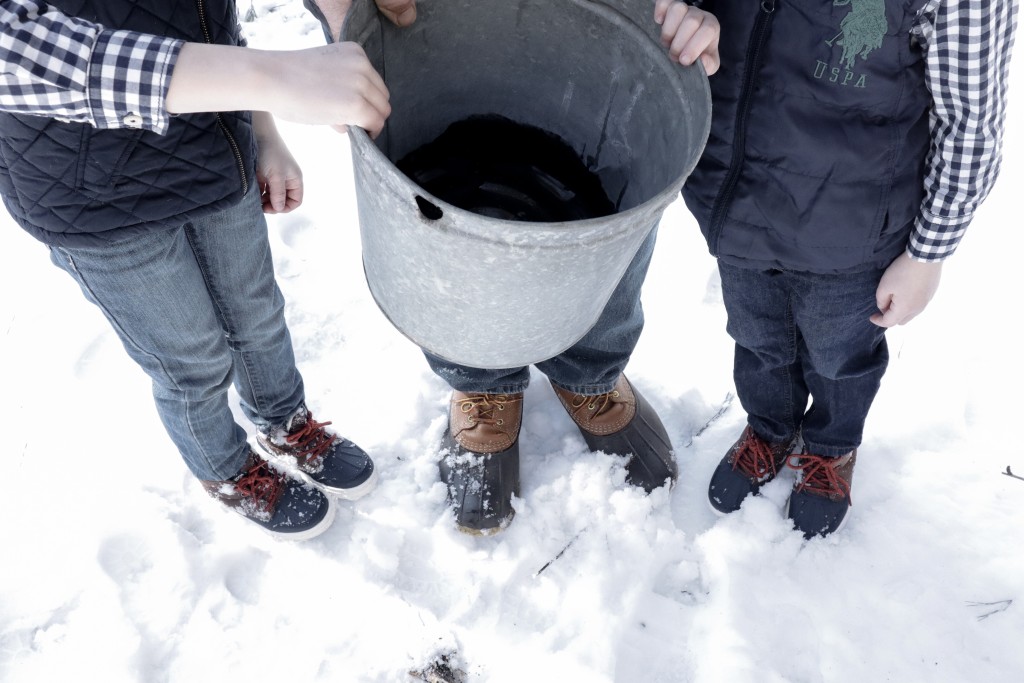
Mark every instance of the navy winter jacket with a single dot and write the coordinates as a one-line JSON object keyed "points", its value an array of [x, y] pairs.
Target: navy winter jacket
{"points": [[72, 184], [819, 134]]}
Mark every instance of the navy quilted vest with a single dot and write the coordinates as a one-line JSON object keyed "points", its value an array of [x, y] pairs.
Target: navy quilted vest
{"points": [[815, 160], [72, 184]]}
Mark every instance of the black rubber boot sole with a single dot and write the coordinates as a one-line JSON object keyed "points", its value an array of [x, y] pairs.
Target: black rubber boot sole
{"points": [[480, 485]]}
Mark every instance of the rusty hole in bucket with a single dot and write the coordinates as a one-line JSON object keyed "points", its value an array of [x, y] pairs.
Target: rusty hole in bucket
{"points": [[429, 209]]}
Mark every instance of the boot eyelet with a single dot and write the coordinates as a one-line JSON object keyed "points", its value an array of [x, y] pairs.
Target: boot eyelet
{"points": [[590, 407], [501, 422], [501, 406], [615, 394]]}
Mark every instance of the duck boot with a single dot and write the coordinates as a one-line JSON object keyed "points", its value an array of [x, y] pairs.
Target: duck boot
{"points": [[622, 422], [284, 505], [821, 497], [749, 464], [480, 459], [330, 462]]}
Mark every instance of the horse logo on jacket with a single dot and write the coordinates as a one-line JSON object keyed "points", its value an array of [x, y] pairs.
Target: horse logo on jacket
{"points": [[861, 31]]}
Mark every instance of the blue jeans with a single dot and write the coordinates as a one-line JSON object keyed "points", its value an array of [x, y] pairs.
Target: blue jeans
{"points": [[592, 364], [802, 336], [198, 309]]}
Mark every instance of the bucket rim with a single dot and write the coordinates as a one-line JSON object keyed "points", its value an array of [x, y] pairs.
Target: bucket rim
{"points": [[469, 222]]}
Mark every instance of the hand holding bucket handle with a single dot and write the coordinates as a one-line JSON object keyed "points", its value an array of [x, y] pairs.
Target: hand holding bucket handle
{"points": [[689, 33], [333, 85]]}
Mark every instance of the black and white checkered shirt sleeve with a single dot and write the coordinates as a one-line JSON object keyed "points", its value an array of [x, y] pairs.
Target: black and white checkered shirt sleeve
{"points": [[72, 70], [969, 44]]}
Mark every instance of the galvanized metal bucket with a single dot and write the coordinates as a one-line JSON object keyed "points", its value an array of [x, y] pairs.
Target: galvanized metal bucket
{"points": [[492, 293]]}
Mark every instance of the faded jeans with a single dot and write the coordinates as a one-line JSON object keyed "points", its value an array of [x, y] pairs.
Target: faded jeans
{"points": [[805, 337], [593, 364], [198, 308]]}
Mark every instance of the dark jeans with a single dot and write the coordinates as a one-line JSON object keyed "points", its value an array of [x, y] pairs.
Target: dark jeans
{"points": [[592, 364], [805, 337]]}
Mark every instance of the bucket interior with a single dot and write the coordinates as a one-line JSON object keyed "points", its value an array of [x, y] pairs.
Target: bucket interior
{"points": [[583, 71]]}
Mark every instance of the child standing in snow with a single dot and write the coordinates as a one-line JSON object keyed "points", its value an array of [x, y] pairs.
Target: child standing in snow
{"points": [[113, 154], [851, 143]]}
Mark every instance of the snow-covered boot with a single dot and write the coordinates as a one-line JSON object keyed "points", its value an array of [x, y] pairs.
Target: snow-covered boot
{"points": [[748, 465], [330, 462], [821, 496], [282, 504], [480, 459], [622, 422]]}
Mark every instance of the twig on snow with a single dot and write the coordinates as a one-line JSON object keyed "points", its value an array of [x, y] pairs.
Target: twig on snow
{"points": [[1010, 473], [999, 606], [713, 419], [560, 552]]}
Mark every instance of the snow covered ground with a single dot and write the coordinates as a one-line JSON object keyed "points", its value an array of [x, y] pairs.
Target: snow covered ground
{"points": [[115, 566]]}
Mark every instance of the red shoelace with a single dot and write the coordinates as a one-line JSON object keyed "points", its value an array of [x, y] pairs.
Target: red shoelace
{"points": [[755, 458], [262, 485], [311, 441], [821, 476]]}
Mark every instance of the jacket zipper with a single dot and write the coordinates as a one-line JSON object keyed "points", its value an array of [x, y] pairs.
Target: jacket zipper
{"points": [[753, 65], [200, 5]]}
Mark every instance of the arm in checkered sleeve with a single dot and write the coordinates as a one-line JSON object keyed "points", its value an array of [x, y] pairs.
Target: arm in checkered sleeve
{"points": [[969, 44], [65, 68]]}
